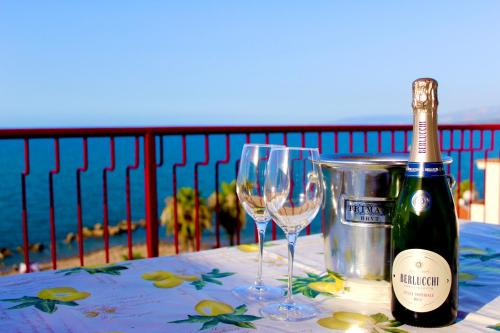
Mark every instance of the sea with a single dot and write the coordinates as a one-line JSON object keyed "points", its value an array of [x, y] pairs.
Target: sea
{"points": [[42, 160]]}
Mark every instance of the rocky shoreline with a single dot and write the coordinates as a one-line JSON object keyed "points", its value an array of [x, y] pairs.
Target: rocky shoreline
{"points": [[97, 257]]}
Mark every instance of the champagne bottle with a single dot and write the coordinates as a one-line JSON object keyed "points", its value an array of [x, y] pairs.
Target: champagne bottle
{"points": [[425, 233]]}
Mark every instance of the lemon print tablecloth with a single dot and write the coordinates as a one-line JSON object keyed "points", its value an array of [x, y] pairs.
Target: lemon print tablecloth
{"points": [[192, 293]]}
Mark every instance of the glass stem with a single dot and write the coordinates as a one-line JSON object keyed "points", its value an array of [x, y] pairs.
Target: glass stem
{"points": [[292, 239], [261, 228]]}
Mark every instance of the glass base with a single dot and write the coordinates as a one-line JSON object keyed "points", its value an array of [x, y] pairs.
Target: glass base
{"points": [[289, 312], [259, 293]]}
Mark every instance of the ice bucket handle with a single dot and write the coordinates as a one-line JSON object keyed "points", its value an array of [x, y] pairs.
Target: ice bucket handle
{"points": [[451, 182], [318, 182]]}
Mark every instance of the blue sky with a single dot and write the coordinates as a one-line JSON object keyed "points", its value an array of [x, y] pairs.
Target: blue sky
{"points": [[126, 63]]}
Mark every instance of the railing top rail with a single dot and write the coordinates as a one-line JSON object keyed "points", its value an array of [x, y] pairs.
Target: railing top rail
{"points": [[131, 131]]}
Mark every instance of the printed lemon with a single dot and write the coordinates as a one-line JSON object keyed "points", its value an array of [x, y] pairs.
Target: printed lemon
{"points": [[248, 247], [157, 276], [63, 294], [170, 282], [327, 287], [354, 318], [213, 308], [332, 323], [187, 277]]}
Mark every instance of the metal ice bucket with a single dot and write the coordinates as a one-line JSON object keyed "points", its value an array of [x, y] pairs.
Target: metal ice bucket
{"points": [[361, 192]]}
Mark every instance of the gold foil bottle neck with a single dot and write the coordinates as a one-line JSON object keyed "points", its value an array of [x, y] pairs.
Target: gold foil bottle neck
{"points": [[425, 94], [425, 146]]}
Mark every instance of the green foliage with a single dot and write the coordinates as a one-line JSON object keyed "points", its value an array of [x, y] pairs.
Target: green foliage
{"points": [[231, 217], [186, 216], [464, 186]]}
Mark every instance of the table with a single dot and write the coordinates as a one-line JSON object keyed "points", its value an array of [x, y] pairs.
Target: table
{"points": [[190, 292]]}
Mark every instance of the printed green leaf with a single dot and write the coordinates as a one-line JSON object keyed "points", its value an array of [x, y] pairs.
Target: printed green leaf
{"points": [[210, 277], [48, 306], [68, 303], [482, 257], [110, 270], [245, 325], [335, 274], [199, 319], [473, 250], [464, 276], [494, 269], [470, 284], [209, 324], [221, 275], [193, 319], [236, 317], [308, 292], [68, 271], [198, 284], [189, 320], [240, 309], [394, 323], [45, 305], [379, 318], [301, 284], [312, 275], [490, 257], [207, 278], [227, 320], [22, 299], [23, 305], [495, 327]]}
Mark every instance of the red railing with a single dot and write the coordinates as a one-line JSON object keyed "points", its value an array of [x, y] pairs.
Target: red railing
{"points": [[374, 138]]}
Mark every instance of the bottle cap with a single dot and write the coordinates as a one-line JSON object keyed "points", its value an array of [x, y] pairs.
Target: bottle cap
{"points": [[425, 94]]}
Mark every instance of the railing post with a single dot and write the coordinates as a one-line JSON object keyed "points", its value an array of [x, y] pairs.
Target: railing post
{"points": [[150, 194]]}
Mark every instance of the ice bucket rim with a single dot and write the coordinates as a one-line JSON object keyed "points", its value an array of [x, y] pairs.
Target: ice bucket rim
{"points": [[369, 159]]}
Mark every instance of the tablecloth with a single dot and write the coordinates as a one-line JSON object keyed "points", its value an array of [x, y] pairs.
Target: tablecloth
{"points": [[192, 292]]}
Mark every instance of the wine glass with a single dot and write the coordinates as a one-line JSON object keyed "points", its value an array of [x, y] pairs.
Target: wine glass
{"points": [[293, 193], [250, 190]]}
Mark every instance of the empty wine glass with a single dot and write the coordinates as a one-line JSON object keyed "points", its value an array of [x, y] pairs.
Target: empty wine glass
{"points": [[294, 194], [250, 190]]}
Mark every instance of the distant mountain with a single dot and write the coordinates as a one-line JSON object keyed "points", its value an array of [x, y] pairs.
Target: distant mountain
{"points": [[483, 115]]}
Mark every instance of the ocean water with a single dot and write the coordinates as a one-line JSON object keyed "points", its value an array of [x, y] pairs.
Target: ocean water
{"points": [[71, 157]]}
